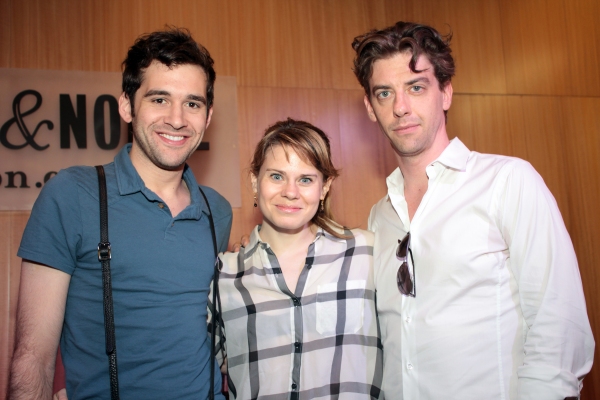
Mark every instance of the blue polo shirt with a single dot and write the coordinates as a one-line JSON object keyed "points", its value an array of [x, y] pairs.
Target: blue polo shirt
{"points": [[161, 271]]}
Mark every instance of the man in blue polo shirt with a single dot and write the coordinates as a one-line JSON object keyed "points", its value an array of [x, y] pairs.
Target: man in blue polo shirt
{"points": [[162, 247]]}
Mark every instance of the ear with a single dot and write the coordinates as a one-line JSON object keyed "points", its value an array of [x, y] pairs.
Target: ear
{"points": [[254, 181], [125, 108], [209, 116], [447, 96], [370, 111], [326, 187]]}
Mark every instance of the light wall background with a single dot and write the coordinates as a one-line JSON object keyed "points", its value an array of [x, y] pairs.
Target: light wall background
{"points": [[527, 85]]}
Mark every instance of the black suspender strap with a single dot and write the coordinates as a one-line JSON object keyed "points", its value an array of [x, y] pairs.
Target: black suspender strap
{"points": [[216, 301], [104, 255]]}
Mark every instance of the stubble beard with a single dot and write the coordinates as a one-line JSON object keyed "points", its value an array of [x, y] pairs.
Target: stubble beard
{"points": [[151, 150]]}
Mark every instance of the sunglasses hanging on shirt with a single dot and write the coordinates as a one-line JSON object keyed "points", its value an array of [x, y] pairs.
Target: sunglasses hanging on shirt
{"points": [[406, 282]]}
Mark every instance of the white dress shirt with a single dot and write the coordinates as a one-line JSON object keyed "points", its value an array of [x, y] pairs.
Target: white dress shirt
{"points": [[499, 311]]}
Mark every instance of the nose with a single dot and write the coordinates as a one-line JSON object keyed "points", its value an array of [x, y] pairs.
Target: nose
{"points": [[175, 117], [401, 105], [290, 190]]}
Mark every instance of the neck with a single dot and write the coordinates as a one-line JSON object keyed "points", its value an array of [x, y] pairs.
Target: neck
{"points": [[157, 179], [413, 167], [282, 241], [167, 184]]}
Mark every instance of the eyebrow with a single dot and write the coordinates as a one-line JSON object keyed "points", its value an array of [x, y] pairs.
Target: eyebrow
{"points": [[283, 172], [380, 87], [193, 97], [200, 99], [156, 92], [423, 79]]}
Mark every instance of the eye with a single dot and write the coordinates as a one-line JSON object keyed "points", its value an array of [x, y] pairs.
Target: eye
{"points": [[276, 177], [306, 180], [416, 89], [192, 104], [159, 100], [384, 94]]}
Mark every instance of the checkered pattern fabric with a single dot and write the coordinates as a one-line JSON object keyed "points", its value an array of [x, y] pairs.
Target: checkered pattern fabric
{"points": [[321, 342]]}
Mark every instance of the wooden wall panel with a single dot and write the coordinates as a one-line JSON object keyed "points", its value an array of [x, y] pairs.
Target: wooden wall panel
{"points": [[583, 49], [552, 47], [344, 24], [33, 21], [5, 34], [274, 43]]}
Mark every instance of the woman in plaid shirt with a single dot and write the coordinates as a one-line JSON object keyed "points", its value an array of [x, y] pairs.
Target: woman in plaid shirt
{"points": [[298, 302]]}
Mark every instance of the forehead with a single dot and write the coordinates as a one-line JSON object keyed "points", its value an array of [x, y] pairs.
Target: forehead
{"points": [[185, 75], [397, 67], [282, 156]]}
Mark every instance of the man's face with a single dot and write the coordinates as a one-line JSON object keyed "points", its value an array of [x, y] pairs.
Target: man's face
{"points": [[170, 115], [409, 107]]}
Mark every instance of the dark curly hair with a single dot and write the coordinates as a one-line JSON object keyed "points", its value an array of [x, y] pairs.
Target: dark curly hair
{"points": [[171, 47], [403, 36]]}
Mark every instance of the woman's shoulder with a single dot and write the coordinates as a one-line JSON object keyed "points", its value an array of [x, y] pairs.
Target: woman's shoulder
{"points": [[229, 261], [365, 235]]}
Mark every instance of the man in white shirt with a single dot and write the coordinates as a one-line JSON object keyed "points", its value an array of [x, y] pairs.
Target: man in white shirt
{"points": [[483, 299]]}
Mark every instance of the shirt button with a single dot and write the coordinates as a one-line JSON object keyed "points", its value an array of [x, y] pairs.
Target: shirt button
{"points": [[407, 319], [409, 366], [294, 386], [296, 302], [161, 205], [297, 345]]}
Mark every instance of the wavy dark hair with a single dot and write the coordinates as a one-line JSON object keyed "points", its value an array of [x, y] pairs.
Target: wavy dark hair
{"points": [[403, 36], [312, 146], [171, 47]]}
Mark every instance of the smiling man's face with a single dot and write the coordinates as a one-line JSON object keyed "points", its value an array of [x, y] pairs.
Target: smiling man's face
{"points": [[170, 115]]}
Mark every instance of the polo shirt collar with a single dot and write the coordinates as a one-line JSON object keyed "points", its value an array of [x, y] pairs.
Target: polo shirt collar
{"points": [[128, 179], [129, 182]]}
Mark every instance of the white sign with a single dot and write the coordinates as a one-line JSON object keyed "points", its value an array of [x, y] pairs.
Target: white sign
{"points": [[50, 120]]}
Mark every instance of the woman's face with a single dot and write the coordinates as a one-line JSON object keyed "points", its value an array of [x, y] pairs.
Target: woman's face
{"points": [[288, 191]]}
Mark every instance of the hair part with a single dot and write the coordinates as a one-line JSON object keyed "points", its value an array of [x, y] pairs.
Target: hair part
{"points": [[313, 147], [403, 37], [171, 47]]}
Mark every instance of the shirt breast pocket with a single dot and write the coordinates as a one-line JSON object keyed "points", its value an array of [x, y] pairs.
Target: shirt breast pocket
{"points": [[340, 311]]}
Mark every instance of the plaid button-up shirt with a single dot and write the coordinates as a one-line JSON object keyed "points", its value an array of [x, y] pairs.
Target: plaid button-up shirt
{"points": [[322, 341]]}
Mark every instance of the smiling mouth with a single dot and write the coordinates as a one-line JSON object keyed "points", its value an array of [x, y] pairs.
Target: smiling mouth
{"points": [[171, 137], [288, 208]]}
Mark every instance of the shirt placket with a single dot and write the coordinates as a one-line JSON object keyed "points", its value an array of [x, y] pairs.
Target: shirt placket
{"points": [[409, 308], [297, 318]]}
